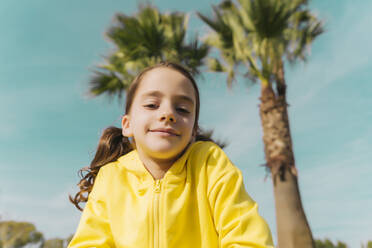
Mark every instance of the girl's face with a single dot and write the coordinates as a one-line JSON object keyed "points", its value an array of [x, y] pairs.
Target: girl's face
{"points": [[162, 115]]}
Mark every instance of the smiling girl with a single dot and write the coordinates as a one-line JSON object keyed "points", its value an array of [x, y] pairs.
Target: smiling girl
{"points": [[159, 182]]}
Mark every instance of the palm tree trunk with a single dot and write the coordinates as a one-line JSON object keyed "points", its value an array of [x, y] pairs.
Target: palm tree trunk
{"points": [[292, 226]]}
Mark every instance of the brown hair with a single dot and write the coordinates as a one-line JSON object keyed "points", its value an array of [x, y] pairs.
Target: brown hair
{"points": [[113, 144]]}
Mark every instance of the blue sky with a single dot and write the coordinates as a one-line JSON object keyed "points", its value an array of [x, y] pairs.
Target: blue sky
{"points": [[49, 126]]}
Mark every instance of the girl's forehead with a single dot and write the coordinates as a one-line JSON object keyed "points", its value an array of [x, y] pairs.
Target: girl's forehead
{"points": [[167, 81]]}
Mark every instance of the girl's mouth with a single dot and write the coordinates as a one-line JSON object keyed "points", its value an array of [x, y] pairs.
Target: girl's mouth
{"points": [[165, 131]]}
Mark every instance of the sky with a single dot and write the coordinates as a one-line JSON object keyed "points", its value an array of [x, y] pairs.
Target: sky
{"points": [[50, 126]]}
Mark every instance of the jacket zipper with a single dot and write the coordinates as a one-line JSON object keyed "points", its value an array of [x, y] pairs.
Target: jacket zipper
{"points": [[156, 213]]}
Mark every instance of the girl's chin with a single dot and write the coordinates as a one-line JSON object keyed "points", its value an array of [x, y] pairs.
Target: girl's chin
{"points": [[165, 150]]}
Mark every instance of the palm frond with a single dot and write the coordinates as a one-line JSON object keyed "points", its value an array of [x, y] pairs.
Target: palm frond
{"points": [[262, 33], [143, 39], [107, 83]]}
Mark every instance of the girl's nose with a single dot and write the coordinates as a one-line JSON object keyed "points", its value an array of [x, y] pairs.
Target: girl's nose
{"points": [[168, 116]]}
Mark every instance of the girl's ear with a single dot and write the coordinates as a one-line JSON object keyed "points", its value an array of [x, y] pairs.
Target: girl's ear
{"points": [[126, 127]]}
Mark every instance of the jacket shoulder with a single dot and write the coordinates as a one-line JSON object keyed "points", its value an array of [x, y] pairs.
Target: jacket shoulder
{"points": [[212, 156], [213, 161], [206, 148]]}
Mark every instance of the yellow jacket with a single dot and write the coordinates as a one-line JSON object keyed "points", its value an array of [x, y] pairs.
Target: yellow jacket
{"points": [[200, 202]]}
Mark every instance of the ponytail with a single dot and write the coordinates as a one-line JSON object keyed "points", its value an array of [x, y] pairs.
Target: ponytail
{"points": [[111, 146]]}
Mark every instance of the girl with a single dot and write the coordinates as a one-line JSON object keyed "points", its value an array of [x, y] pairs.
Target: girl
{"points": [[158, 182]]}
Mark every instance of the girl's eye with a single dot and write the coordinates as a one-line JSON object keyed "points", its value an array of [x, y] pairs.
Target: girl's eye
{"points": [[183, 110], [150, 106]]}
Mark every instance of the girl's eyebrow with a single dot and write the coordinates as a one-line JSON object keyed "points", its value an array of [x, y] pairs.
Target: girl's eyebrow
{"points": [[160, 94]]}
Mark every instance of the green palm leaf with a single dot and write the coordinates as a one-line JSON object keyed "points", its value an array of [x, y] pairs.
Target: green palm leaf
{"points": [[141, 40], [260, 33]]}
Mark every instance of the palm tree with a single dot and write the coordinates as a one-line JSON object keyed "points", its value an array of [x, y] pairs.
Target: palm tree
{"points": [[254, 38], [144, 39]]}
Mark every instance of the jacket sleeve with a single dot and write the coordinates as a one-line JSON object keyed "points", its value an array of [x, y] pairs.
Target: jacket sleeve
{"points": [[235, 214], [94, 227]]}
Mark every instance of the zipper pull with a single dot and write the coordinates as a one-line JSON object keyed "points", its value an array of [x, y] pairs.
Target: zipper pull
{"points": [[157, 186]]}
